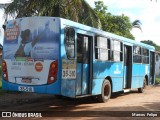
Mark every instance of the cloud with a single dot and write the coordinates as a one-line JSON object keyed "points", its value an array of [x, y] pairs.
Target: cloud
{"points": [[5, 1], [144, 10]]}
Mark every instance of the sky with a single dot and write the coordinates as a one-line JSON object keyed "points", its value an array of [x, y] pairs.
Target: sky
{"points": [[146, 11]]}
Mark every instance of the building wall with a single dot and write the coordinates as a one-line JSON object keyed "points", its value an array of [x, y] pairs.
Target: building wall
{"points": [[157, 67]]}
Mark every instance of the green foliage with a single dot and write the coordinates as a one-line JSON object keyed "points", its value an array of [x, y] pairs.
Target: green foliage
{"points": [[137, 24], [100, 8], [117, 24], [157, 81], [120, 25], [76, 10], [149, 42]]}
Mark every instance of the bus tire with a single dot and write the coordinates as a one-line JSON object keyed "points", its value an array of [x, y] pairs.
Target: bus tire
{"points": [[142, 89], [105, 92]]}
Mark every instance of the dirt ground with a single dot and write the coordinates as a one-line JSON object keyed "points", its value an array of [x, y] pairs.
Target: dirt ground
{"points": [[121, 105]]}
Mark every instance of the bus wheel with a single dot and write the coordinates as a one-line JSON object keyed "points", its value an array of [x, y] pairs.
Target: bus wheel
{"points": [[141, 90], [105, 92]]}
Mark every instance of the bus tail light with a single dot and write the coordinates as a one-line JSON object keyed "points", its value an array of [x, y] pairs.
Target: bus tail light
{"points": [[52, 76], [4, 70]]}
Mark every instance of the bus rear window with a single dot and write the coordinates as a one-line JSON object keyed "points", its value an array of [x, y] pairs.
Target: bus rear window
{"points": [[70, 42]]}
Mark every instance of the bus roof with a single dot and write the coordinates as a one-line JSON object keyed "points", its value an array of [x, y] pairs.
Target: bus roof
{"points": [[104, 33]]}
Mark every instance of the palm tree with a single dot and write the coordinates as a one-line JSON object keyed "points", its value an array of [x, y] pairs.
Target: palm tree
{"points": [[137, 24], [76, 10]]}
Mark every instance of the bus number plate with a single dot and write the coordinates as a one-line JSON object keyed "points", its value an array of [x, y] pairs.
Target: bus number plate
{"points": [[69, 73], [25, 89]]}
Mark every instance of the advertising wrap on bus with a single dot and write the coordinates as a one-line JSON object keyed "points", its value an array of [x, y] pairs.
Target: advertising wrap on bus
{"points": [[30, 50]]}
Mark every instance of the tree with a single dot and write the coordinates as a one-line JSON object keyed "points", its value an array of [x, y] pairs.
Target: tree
{"points": [[76, 10], [118, 24], [137, 24], [149, 42], [100, 10]]}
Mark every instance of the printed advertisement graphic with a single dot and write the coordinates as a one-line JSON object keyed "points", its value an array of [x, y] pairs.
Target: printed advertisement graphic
{"points": [[12, 32], [31, 37], [30, 45]]}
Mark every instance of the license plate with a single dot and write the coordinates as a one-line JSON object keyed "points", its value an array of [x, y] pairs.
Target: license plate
{"points": [[26, 80], [25, 89]]}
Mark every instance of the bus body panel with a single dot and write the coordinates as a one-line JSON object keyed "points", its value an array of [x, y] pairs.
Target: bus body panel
{"points": [[67, 84], [68, 88], [49, 89], [101, 70], [97, 86], [4, 84], [26, 88], [79, 83], [117, 84], [138, 74]]}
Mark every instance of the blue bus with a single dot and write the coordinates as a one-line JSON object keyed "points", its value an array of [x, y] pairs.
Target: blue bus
{"points": [[51, 55]]}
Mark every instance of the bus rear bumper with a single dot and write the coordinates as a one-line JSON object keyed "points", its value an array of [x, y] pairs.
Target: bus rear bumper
{"points": [[44, 89]]}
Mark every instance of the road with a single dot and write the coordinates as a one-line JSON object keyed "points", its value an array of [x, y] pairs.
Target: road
{"points": [[133, 102]]}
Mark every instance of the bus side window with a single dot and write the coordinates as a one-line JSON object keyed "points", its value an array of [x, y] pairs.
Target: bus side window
{"points": [[69, 40], [136, 54], [107, 49], [145, 56], [101, 48], [116, 50]]}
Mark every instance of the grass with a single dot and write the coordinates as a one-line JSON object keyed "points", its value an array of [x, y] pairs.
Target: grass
{"points": [[157, 80]]}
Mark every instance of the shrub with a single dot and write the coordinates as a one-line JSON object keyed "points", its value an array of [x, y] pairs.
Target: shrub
{"points": [[157, 81]]}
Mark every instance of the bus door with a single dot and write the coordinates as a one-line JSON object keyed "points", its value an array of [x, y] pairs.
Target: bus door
{"points": [[152, 67], [84, 66], [127, 66]]}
